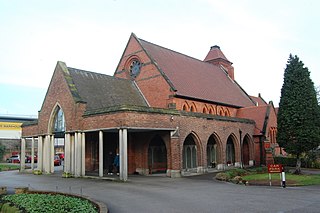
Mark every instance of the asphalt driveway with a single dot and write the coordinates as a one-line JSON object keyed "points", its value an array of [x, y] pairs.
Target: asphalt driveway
{"points": [[162, 194]]}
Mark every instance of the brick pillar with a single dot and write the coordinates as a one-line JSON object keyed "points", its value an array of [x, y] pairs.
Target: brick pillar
{"points": [[175, 170]]}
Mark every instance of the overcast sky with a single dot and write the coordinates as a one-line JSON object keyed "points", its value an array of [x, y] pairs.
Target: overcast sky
{"points": [[257, 36]]}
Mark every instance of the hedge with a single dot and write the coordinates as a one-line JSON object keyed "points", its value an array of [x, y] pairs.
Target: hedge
{"points": [[291, 162]]}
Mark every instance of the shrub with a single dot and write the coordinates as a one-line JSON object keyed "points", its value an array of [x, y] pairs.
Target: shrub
{"points": [[291, 162], [37, 172], [66, 175], [9, 209], [260, 169], [285, 161], [222, 176], [236, 179], [235, 172]]}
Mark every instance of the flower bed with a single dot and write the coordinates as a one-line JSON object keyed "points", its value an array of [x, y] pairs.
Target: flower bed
{"points": [[50, 202]]}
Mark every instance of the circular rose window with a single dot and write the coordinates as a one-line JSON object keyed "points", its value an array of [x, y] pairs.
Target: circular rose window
{"points": [[135, 67]]}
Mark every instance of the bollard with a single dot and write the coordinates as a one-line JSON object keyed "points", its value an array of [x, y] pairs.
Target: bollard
{"points": [[283, 175]]}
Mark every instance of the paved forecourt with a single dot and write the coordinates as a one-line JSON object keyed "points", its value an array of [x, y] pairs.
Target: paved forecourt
{"points": [[162, 194]]}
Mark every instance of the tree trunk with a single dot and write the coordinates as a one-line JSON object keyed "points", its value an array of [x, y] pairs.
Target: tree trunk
{"points": [[298, 166]]}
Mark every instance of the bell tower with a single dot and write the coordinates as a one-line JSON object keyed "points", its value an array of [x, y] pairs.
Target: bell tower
{"points": [[215, 56]]}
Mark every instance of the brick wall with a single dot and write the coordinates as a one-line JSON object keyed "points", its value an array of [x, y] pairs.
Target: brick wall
{"points": [[59, 93], [204, 107], [150, 81], [200, 128]]}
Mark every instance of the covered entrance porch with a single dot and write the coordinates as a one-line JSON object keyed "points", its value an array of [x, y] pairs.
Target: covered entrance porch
{"points": [[93, 152]]}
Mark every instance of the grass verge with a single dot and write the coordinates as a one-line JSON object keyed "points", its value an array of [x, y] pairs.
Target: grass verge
{"points": [[295, 180], [7, 167]]}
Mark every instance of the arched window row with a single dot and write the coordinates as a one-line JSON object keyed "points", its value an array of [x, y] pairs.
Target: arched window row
{"points": [[206, 109], [217, 152]]}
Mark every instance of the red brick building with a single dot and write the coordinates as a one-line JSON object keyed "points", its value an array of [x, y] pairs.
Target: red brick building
{"points": [[162, 111]]}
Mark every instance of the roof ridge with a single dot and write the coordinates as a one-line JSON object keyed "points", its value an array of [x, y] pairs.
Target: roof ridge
{"points": [[248, 96], [159, 56], [76, 69], [253, 107], [196, 59], [102, 74], [177, 52]]}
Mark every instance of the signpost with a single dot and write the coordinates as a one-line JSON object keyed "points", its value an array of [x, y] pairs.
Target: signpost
{"points": [[277, 168]]}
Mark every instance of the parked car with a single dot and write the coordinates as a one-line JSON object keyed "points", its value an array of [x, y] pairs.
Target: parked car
{"points": [[14, 159], [28, 159], [57, 160], [61, 155]]}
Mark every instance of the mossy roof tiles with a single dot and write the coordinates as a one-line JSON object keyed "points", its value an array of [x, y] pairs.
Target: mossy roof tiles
{"points": [[101, 91]]}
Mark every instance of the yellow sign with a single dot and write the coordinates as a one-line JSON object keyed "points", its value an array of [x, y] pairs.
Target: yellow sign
{"points": [[10, 126]]}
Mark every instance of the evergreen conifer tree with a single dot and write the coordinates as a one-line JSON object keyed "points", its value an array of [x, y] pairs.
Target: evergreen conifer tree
{"points": [[299, 114]]}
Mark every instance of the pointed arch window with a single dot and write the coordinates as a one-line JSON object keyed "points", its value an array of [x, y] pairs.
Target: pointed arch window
{"points": [[204, 110], [59, 122], [192, 109], [210, 111], [185, 107], [227, 113]]}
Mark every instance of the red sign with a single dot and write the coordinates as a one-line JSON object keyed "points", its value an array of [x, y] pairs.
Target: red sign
{"points": [[267, 145], [274, 168]]}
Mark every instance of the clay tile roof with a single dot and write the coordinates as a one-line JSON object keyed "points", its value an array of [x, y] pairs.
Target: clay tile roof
{"points": [[194, 78], [101, 91], [258, 114], [258, 100], [215, 53]]}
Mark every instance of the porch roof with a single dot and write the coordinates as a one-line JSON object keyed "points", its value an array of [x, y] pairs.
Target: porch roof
{"points": [[100, 91]]}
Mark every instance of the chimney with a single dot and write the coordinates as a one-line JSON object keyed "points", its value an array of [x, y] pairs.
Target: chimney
{"points": [[215, 56]]}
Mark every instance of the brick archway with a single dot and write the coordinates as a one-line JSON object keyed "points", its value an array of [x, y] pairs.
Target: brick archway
{"points": [[230, 151], [191, 152], [157, 155], [214, 151], [247, 150]]}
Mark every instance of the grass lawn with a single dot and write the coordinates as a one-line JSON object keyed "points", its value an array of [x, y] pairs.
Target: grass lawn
{"points": [[7, 167], [291, 179]]}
